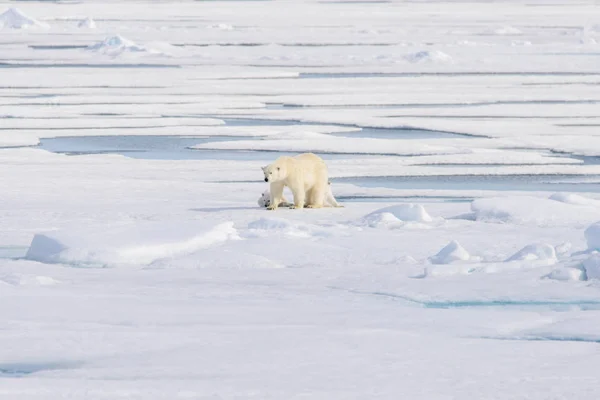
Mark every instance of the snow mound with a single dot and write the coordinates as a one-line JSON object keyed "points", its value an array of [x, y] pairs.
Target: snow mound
{"points": [[382, 220], [117, 45], [280, 226], [563, 249], [506, 30], [570, 198], [28, 280], [394, 216], [87, 23], [13, 18], [591, 266], [526, 210], [271, 224], [567, 274], [141, 244], [433, 56], [535, 252], [451, 253], [223, 27], [592, 236]]}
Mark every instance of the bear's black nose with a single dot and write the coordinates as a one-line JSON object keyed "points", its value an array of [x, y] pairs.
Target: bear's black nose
{"points": [[266, 179]]}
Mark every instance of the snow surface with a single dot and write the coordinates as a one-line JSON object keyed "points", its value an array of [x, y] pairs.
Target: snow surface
{"points": [[592, 236], [534, 252], [14, 18], [452, 252], [461, 138], [87, 23]]}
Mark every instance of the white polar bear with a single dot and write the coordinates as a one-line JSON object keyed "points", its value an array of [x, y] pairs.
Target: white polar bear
{"points": [[265, 199], [306, 176]]}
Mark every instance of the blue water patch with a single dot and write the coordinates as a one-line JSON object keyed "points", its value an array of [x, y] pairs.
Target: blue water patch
{"points": [[22, 369], [163, 148], [13, 252], [144, 147], [584, 304], [549, 338]]}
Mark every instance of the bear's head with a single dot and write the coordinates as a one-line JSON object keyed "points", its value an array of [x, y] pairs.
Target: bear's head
{"points": [[274, 173]]}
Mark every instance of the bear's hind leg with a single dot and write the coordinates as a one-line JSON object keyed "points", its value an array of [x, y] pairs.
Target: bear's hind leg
{"points": [[316, 197]]}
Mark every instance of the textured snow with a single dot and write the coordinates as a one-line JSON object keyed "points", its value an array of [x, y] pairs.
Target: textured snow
{"points": [[396, 216], [452, 252], [14, 18], [592, 236], [535, 252], [426, 56], [461, 266], [117, 45], [87, 23], [527, 210], [141, 244], [591, 266]]}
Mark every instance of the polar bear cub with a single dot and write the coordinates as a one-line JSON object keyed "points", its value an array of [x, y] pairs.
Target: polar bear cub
{"points": [[305, 174]]}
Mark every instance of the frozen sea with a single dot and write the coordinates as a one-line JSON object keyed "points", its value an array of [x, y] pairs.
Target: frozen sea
{"points": [[462, 138]]}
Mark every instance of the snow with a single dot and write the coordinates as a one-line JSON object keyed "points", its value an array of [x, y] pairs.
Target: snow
{"points": [[426, 56], [572, 198], [591, 266], [87, 23], [461, 138], [14, 18], [396, 216], [117, 45], [535, 252], [451, 253], [507, 30], [142, 244], [592, 236], [568, 274], [223, 27], [527, 210]]}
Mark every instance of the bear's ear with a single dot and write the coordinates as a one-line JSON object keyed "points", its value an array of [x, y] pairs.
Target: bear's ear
{"points": [[263, 168]]}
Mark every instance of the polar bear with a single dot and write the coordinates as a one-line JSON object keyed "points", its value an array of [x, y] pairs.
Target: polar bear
{"points": [[306, 176], [265, 199]]}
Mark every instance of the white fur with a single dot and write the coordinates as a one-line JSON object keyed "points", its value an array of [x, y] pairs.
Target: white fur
{"points": [[306, 176], [265, 199]]}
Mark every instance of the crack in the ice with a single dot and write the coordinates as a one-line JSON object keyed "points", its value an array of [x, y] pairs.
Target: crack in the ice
{"points": [[585, 303], [546, 338]]}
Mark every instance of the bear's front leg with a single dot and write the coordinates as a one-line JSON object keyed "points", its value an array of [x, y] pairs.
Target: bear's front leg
{"points": [[276, 191]]}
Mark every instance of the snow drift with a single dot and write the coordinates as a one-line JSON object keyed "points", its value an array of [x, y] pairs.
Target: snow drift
{"points": [[433, 56], [535, 252], [451, 253], [526, 210], [87, 23], [141, 244], [13, 18], [592, 236], [396, 216], [591, 266], [118, 45]]}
